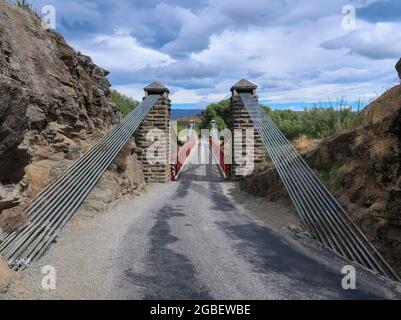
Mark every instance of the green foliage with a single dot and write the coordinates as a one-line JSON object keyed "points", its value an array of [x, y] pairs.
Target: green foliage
{"points": [[332, 176], [182, 125], [314, 123], [24, 4], [124, 104], [220, 112]]}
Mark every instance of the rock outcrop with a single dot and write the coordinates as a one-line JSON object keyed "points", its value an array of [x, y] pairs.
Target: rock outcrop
{"points": [[54, 104], [398, 68], [362, 167], [12, 286], [6, 276]]}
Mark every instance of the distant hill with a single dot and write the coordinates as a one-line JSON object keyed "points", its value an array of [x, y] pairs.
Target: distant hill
{"points": [[185, 113]]}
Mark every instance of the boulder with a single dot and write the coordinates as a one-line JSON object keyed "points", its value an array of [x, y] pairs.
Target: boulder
{"points": [[123, 178], [127, 166], [9, 197], [106, 191], [37, 176], [12, 219]]}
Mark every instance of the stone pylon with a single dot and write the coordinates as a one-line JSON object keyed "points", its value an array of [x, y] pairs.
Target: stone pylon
{"points": [[152, 138], [248, 150]]}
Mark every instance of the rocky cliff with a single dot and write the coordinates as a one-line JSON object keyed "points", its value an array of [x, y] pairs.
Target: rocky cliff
{"points": [[362, 167], [398, 68], [54, 104]]}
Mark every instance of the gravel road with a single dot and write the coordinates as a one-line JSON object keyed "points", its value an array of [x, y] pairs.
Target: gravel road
{"points": [[189, 240]]}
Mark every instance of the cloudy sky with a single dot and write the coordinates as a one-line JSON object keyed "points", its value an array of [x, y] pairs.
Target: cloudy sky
{"points": [[297, 51]]}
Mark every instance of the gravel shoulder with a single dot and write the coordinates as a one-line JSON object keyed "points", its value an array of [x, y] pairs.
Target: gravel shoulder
{"points": [[88, 249]]}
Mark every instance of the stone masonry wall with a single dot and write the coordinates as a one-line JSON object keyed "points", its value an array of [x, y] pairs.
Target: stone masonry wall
{"points": [[240, 119], [154, 170]]}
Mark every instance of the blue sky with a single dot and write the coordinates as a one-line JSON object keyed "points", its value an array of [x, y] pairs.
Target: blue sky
{"points": [[296, 50]]}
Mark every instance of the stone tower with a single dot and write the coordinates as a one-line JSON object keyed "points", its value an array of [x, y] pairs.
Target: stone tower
{"points": [[240, 121], [152, 138]]}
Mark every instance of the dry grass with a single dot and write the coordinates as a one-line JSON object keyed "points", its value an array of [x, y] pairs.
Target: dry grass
{"points": [[302, 145], [382, 148], [365, 138], [351, 165], [362, 139], [380, 108], [305, 144]]}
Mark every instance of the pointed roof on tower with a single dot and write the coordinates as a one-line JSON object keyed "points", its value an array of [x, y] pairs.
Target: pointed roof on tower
{"points": [[156, 87], [244, 86]]}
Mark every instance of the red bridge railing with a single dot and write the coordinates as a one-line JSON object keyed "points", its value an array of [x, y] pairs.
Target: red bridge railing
{"points": [[219, 153], [178, 159]]}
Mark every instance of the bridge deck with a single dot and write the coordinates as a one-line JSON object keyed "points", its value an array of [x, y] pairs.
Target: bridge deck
{"points": [[201, 165]]}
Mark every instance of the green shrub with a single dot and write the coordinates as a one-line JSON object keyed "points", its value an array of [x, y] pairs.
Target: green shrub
{"points": [[220, 112], [24, 4], [182, 125], [332, 177], [124, 104], [315, 122]]}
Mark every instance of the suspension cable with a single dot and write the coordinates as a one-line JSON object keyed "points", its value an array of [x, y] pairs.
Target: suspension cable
{"points": [[52, 208], [321, 213]]}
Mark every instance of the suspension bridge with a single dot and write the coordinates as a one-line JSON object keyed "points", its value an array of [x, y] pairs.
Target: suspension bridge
{"points": [[205, 160]]}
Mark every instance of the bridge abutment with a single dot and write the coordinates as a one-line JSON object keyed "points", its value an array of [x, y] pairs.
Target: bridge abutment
{"points": [[248, 150], [152, 138]]}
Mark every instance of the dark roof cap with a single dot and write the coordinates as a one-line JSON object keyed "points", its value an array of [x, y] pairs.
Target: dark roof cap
{"points": [[156, 87], [244, 85]]}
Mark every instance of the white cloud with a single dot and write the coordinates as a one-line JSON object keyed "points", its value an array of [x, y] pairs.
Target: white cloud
{"points": [[378, 41], [294, 50], [122, 52], [195, 29], [288, 63], [185, 96], [135, 91]]}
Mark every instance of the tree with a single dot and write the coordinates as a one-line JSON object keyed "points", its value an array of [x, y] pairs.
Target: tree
{"points": [[220, 112], [124, 103]]}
